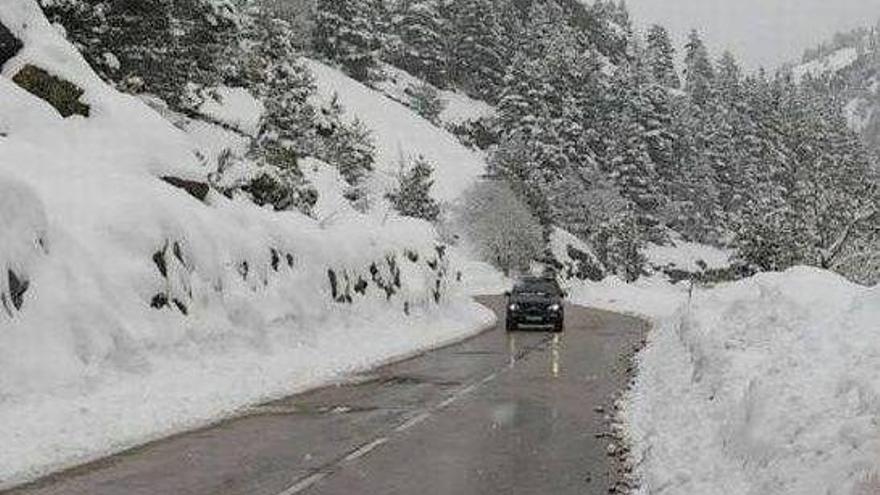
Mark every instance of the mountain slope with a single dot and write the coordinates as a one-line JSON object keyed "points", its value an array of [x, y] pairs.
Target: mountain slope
{"points": [[401, 134], [852, 66]]}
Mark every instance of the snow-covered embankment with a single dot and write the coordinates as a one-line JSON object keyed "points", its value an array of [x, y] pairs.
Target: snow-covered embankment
{"points": [[765, 386], [137, 301]]}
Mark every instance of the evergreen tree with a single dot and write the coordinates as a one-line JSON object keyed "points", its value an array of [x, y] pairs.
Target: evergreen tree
{"points": [[422, 50], [346, 33], [699, 74], [728, 79], [628, 159], [661, 57], [413, 196], [269, 67], [156, 46], [477, 54], [348, 146]]}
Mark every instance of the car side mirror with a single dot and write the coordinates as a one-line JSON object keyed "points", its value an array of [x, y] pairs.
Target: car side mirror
{"points": [[507, 293]]}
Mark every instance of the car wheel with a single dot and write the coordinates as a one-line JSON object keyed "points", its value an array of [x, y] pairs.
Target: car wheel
{"points": [[511, 325], [559, 327]]}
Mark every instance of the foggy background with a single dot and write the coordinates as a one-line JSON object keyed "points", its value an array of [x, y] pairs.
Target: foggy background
{"points": [[764, 33]]}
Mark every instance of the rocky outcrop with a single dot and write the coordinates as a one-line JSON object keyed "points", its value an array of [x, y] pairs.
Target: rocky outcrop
{"points": [[198, 190], [64, 96], [9, 45]]}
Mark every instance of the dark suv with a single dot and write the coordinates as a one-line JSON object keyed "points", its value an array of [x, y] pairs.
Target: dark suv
{"points": [[536, 301]]}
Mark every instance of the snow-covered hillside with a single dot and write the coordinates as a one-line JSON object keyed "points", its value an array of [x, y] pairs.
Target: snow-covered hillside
{"points": [[401, 134], [768, 385], [854, 68], [831, 63], [135, 300]]}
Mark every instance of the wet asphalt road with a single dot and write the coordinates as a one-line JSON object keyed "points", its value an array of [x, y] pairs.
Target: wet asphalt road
{"points": [[498, 414]]}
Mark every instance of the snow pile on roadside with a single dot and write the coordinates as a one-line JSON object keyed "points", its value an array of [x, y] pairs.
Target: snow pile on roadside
{"points": [[765, 386], [140, 302], [401, 134]]}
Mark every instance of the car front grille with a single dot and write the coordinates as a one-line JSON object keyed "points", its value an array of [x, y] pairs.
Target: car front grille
{"points": [[534, 307]]}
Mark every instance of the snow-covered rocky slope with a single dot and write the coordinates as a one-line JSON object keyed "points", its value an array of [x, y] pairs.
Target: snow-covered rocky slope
{"points": [[764, 386], [136, 301]]}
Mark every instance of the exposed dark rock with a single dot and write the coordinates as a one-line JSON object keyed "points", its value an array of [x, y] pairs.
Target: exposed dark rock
{"points": [[178, 253], [290, 260], [276, 260], [9, 45], [18, 286], [161, 265], [159, 301], [412, 256], [181, 307], [361, 286], [346, 296], [334, 285], [437, 294], [198, 190], [62, 95], [395, 271]]}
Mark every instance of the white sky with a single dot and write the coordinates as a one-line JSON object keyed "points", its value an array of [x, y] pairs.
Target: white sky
{"points": [[759, 32]]}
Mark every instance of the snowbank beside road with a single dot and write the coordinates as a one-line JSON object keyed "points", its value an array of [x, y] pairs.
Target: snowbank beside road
{"points": [[194, 385], [138, 301], [765, 386]]}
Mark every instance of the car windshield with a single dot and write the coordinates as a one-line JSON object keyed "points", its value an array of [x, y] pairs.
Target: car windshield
{"points": [[535, 287]]}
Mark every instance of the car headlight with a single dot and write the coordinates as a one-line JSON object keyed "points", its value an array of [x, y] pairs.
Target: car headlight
{"points": [[513, 307], [555, 307]]}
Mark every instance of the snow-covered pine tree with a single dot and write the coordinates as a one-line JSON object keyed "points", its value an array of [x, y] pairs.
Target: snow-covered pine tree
{"points": [[422, 50], [477, 51], [825, 203], [619, 242], [628, 160], [728, 79], [345, 33], [158, 46], [698, 71], [606, 23], [661, 57], [348, 146], [269, 67], [413, 195], [425, 100]]}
